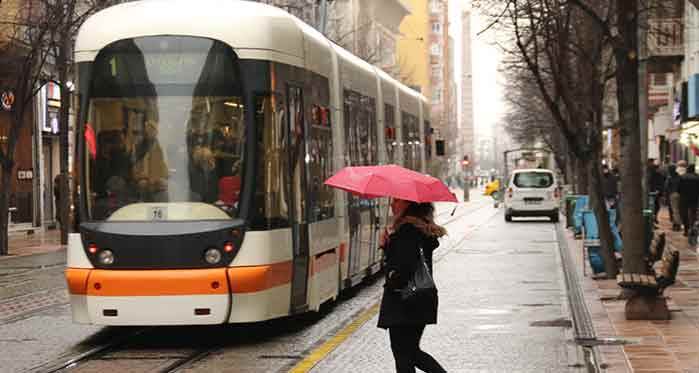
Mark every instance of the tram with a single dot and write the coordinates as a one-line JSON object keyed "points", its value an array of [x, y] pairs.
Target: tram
{"points": [[206, 131]]}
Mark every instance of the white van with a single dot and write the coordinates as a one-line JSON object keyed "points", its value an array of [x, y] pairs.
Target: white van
{"points": [[532, 192]]}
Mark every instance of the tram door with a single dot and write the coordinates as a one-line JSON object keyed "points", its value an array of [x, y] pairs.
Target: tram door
{"points": [[296, 174]]}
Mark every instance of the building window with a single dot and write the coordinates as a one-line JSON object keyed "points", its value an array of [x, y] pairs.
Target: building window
{"points": [[436, 27], [435, 6], [435, 50], [437, 96]]}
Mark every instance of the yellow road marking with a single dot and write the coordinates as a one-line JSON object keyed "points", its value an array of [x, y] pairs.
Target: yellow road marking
{"points": [[326, 348]]}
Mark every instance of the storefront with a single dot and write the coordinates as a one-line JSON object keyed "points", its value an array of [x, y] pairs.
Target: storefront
{"points": [[21, 201], [48, 108]]}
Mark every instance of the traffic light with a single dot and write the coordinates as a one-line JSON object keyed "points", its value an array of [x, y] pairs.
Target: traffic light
{"points": [[439, 144]]}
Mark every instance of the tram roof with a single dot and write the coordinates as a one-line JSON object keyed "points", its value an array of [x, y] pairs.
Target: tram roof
{"points": [[254, 30], [245, 25]]}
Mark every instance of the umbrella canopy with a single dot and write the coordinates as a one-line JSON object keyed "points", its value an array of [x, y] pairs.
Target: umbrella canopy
{"points": [[391, 181]]}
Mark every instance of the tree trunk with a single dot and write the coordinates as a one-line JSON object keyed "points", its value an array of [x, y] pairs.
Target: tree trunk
{"points": [[631, 174], [6, 177], [64, 51], [599, 207], [581, 176]]}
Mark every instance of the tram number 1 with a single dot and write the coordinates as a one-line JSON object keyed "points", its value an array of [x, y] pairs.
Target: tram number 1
{"points": [[158, 213]]}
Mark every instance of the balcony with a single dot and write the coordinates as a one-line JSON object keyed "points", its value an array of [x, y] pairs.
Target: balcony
{"points": [[665, 37]]}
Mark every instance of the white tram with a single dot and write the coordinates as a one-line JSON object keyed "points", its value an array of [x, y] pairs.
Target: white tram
{"points": [[207, 130]]}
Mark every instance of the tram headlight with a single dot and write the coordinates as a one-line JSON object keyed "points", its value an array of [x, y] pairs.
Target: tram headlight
{"points": [[106, 257], [213, 256]]}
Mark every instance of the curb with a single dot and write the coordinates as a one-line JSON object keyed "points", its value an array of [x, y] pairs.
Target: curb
{"points": [[584, 331]]}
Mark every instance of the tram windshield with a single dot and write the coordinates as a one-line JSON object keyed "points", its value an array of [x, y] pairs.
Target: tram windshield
{"points": [[165, 131]]}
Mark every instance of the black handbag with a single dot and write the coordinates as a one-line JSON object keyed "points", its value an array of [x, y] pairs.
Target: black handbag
{"points": [[420, 286]]}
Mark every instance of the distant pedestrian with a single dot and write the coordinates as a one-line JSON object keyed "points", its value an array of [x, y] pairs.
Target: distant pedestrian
{"points": [[681, 167], [413, 228], [655, 183], [672, 190], [609, 187], [689, 197], [57, 197]]}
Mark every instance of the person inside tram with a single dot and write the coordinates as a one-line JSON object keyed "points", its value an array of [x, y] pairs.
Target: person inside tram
{"points": [[229, 188], [150, 171], [112, 172], [202, 171]]}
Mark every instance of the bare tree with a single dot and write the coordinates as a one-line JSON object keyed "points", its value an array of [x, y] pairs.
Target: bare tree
{"points": [[40, 48], [563, 56]]}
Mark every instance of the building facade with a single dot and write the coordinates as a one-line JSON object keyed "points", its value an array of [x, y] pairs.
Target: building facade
{"points": [[368, 29], [37, 147], [414, 47], [466, 125]]}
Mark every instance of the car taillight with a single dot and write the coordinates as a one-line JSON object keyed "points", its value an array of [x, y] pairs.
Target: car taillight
{"points": [[557, 193], [509, 193]]}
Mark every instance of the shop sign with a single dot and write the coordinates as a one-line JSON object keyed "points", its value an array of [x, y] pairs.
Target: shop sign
{"points": [[25, 174], [7, 100]]}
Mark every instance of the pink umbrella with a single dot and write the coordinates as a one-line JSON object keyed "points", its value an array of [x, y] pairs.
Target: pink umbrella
{"points": [[391, 181]]}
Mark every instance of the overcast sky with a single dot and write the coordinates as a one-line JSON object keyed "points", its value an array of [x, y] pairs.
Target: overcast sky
{"points": [[487, 92]]}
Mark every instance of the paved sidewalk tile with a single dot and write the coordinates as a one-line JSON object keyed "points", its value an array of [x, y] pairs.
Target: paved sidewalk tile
{"points": [[655, 346], [41, 241]]}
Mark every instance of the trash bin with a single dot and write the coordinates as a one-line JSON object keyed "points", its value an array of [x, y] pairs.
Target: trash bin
{"points": [[569, 209]]}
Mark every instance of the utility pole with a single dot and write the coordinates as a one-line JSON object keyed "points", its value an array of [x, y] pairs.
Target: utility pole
{"points": [[322, 24], [643, 98]]}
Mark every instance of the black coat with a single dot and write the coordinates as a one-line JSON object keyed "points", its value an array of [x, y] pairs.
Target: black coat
{"points": [[401, 259], [689, 189]]}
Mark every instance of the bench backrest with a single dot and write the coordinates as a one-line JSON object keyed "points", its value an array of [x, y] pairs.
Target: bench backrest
{"points": [[669, 265], [657, 247]]}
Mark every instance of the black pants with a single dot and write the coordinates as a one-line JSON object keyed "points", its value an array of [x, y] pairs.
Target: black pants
{"points": [[688, 211], [405, 344]]}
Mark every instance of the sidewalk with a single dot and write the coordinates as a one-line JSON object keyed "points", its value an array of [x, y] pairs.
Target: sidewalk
{"points": [[652, 346], [41, 241]]}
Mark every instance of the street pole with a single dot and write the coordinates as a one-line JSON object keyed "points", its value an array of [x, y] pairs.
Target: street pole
{"points": [[643, 98], [323, 16]]}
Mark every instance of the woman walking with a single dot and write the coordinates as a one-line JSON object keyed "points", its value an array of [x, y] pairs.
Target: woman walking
{"points": [[413, 228]]}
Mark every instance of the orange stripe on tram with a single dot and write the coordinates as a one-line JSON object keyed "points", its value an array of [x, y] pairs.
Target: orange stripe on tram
{"points": [[77, 280], [157, 282], [258, 278]]}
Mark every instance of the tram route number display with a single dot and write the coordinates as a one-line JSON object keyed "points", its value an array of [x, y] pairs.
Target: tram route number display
{"points": [[157, 213]]}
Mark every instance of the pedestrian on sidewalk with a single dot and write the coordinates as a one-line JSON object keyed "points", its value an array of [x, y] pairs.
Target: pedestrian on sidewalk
{"points": [[413, 228], [609, 187], [655, 183], [672, 190], [689, 197]]}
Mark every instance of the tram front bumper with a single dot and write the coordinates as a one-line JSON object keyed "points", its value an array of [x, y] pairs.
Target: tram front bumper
{"points": [[149, 297]]}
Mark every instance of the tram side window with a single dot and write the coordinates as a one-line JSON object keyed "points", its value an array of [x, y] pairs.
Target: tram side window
{"points": [[409, 141], [271, 210], [428, 141], [352, 131], [368, 140], [320, 165], [390, 135]]}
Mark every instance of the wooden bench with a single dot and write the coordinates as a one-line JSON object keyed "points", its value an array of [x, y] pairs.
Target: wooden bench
{"points": [[660, 275]]}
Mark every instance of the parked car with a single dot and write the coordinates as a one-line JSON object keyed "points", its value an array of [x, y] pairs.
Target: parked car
{"points": [[532, 192]]}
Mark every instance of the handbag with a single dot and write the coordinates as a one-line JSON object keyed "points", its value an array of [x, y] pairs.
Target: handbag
{"points": [[420, 287]]}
